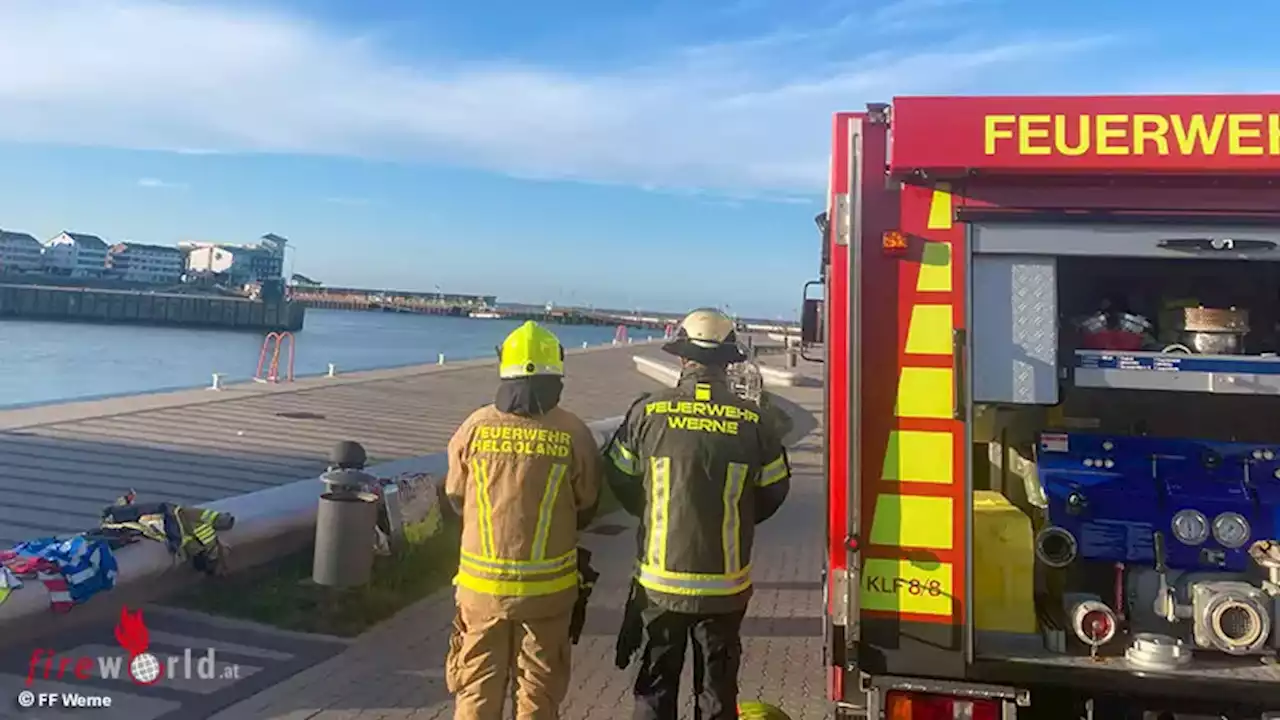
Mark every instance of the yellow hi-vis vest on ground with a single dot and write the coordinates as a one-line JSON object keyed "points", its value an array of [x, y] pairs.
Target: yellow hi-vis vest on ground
{"points": [[521, 482]]}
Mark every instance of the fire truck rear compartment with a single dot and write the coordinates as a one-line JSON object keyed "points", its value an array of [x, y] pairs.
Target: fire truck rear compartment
{"points": [[1124, 392]]}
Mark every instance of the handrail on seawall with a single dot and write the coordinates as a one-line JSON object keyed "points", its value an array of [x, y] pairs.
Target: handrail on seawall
{"points": [[269, 524]]}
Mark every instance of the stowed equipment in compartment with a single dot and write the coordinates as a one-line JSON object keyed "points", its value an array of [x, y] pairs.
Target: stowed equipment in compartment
{"points": [[1175, 535]]}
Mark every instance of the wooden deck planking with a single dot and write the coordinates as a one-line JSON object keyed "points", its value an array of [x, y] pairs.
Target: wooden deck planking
{"points": [[62, 464]]}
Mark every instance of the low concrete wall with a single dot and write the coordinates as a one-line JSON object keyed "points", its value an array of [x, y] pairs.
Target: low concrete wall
{"points": [[270, 523], [665, 373]]}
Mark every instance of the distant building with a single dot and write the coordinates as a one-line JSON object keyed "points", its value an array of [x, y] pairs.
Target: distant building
{"points": [[209, 259], [76, 255], [20, 252], [240, 264], [135, 262]]}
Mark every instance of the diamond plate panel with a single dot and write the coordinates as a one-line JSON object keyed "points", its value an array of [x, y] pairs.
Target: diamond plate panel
{"points": [[1015, 329]]}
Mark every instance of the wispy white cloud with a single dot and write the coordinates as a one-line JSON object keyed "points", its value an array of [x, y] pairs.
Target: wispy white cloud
{"points": [[749, 116], [148, 182], [349, 201]]}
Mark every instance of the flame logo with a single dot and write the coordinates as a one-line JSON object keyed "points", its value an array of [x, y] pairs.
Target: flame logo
{"points": [[131, 633]]}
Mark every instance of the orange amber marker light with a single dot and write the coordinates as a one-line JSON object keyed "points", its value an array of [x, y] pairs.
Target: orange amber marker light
{"points": [[894, 242]]}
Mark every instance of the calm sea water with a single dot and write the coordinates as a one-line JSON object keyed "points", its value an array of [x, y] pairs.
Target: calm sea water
{"points": [[51, 362]]}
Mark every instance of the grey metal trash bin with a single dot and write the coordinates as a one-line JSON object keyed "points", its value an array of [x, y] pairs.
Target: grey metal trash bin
{"points": [[345, 524]]}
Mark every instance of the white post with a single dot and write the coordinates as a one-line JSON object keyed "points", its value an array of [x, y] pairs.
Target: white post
{"points": [[440, 360], [584, 346], [333, 370], [628, 339], [217, 382], [615, 341]]}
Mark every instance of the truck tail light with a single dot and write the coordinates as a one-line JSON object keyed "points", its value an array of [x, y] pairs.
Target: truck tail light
{"points": [[894, 243], [923, 706]]}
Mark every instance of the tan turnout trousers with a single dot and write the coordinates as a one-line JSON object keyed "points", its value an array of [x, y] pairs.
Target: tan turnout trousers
{"points": [[487, 653]]}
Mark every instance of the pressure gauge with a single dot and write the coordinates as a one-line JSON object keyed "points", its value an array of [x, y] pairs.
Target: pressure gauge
{"points": [[1231, 530], [1191, 527]]}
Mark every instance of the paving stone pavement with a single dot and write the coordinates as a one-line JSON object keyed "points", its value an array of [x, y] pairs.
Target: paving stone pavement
{"points": [[226, 657], [395, 671]]}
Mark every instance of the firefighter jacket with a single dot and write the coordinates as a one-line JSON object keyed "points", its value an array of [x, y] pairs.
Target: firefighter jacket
{"points": [[700, 468], [524, 486]]}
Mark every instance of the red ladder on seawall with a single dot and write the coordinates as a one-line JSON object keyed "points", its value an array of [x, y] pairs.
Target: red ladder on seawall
{"points": [[274, 343]]}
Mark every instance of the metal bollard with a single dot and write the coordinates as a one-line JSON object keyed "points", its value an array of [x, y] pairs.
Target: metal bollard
{"points": [[440, 359], [346, 521], [792, 360], [345, 524], [333, 370], [217, 382]]}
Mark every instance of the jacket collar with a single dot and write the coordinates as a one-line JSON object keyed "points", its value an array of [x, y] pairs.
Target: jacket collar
{"points": [[693, 375]]}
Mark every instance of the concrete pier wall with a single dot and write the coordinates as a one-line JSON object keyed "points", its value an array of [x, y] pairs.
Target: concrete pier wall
{"points": [[145, 308]]}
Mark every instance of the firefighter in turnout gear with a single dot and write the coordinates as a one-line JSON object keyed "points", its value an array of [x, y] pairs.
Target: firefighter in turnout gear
{"points": [[700, 469], [524, 476]]}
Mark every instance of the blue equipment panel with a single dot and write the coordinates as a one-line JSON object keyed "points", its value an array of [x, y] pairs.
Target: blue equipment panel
{"points": [[1112, 492], [1176, 362]]}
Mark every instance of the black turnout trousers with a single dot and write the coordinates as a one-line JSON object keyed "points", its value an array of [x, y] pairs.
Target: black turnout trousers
{"points": [[717, 653]]}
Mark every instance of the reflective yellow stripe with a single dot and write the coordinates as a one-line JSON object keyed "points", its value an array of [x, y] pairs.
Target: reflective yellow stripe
{"points": [[930, 331], [941, 208], [775, 471], [702, 391], [517, 370], [500, 576], [925, 393], [546, 509], [484, 508], [512, 588], [659, 506], [918, 456], [731, 526], [203, 533], [914, 521], [907, 586], [505, 569], [622, 458], [694, 584]]}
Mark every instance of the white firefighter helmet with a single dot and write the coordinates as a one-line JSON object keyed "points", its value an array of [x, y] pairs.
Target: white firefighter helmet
{"points": [[706, 336]]}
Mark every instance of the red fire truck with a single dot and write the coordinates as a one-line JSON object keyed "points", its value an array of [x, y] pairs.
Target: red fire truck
{"points": [[1050, 330]]}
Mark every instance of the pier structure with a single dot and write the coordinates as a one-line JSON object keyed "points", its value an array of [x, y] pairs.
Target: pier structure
{"points": [[486, 307], [64, 462], [142, 307], [424, 303]]}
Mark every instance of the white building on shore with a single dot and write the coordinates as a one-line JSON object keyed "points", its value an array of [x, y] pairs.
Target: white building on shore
{"points": [[240, 264], [20, 253], [76, 255], [136, 262]]}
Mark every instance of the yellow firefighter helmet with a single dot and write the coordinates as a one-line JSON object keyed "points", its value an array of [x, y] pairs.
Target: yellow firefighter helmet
{"points": [[707, 336], [528, 351]]}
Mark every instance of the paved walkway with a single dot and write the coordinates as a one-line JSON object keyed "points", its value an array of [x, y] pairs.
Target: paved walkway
{"points": [[64, 463], [395, 671]]}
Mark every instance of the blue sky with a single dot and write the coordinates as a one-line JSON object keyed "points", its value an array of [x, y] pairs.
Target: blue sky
{"points": [[650, 153]]}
